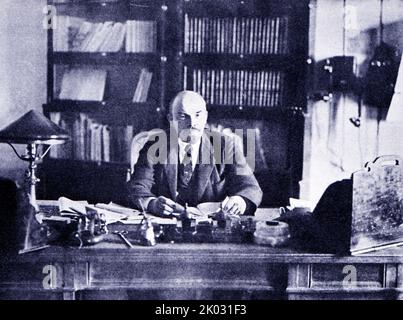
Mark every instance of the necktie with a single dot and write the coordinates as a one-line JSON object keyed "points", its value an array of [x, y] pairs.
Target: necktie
{"points": [[186, 167]]}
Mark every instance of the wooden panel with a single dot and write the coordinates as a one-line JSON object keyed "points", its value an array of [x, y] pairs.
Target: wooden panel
{"points": [[170, 280], [30, 294], [29, 275], [336, 281], [199, 271], [32, 281], [174, 294], [343, 275], [299, 275], [253, 276], [339, 294], [390, 276]]}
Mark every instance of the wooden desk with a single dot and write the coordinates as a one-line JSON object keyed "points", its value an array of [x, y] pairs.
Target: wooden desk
{"points": [[199, 271]]}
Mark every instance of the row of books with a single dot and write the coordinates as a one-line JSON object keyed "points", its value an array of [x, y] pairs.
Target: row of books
{"points": [[143, 86], [236, 35], [238, 87], [88, 84], [141, 36], [77, 34], [91, 140]]}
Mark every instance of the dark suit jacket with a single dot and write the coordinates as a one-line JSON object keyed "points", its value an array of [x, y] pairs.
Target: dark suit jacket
{"points": [[213, 181]]}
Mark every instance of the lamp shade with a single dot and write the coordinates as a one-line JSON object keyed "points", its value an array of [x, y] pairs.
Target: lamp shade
{"points": [[33, 127]]}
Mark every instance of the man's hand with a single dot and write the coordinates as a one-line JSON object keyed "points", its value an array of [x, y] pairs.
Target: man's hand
{"points": [[234, 205], [162, 206]]}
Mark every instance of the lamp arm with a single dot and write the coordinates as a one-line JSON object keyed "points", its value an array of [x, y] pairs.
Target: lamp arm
{"points": [[44, 154], [15, 151]]}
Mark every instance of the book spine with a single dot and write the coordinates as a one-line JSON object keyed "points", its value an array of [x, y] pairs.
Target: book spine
{"points": [[186, 34]]}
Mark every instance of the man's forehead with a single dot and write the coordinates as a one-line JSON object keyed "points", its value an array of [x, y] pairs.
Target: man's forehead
{"points": [[189, 102]]}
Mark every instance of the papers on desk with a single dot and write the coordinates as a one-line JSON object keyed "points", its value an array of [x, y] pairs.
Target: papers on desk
{"points": [[117, 208], [67, 206], [162, 221], [110, 212]]}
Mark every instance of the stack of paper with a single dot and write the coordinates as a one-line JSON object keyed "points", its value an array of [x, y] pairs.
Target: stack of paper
{"points": [[85, 83]]}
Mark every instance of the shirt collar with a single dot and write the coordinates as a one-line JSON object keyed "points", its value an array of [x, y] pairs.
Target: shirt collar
{"points": [[195, 146]]}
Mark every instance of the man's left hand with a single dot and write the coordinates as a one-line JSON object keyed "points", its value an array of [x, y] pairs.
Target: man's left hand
{"points": [[234, 205]]}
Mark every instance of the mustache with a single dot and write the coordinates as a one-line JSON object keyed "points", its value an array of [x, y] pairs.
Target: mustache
{"points": [[192, 128]]}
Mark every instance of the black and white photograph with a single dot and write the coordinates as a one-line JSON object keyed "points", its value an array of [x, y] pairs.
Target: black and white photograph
{"points": [[214, 152]]}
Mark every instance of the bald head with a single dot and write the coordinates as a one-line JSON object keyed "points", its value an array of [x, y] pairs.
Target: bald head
{"points": [[187, 101], [188, 108]]}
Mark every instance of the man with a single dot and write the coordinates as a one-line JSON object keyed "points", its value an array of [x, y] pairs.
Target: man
{"points": [[195, 170]]}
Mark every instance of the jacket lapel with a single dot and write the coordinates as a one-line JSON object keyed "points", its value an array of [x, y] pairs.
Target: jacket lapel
{"points": [[206, 165], [171, 170]]}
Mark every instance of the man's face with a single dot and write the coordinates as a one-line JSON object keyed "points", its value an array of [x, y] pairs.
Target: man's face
{"points": [[191, 116]]}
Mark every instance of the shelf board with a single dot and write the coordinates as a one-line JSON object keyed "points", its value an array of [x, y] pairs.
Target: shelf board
{"points": [[130, 110], [112, 112], [253, 8], [104, 3], [105, 58], [251, 112], [94, 106], [247, 61], [84, 2]]}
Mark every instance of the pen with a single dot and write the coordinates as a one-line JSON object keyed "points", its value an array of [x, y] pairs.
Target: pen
{"points": [[33, 249], [120, 234], [125, 240]]}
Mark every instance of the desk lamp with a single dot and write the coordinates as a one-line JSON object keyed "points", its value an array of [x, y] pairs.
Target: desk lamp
{"points": [[33, 129]]}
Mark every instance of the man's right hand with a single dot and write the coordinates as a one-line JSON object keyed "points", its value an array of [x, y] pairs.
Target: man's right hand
{"points": [[162, 206]]}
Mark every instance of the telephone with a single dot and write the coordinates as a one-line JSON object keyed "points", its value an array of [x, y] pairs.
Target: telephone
{"points": [[380, 79]]}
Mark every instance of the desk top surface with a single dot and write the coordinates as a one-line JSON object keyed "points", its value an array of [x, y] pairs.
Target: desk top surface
{"points": [[113, 249], [205, 252]]}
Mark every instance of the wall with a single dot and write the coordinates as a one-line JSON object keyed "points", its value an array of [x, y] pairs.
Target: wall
{"points": [[22, 70], [334, 147]]}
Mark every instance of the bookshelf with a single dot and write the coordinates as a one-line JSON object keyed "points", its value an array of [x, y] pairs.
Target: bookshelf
{"points": [[246, 57], [107, 65]]}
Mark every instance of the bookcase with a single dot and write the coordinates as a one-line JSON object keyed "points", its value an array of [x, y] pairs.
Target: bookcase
{"points": [[114, 65], [249, 60], [106, 82]]}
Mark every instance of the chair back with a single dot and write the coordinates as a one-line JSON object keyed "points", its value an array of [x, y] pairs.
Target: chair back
{"points": [[138, 142]]}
